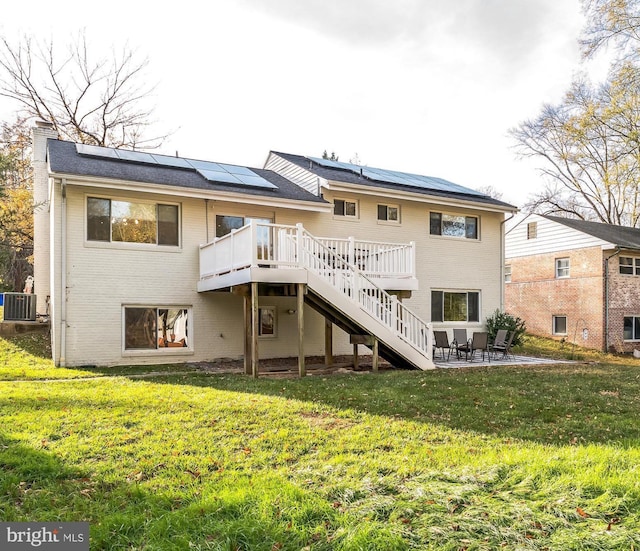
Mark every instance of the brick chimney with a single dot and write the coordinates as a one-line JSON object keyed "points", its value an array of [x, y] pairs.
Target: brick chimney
{"points": [[41, 224]]}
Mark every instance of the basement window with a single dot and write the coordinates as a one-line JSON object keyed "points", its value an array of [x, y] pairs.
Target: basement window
{"points": [[156, 328], [559, 325]]}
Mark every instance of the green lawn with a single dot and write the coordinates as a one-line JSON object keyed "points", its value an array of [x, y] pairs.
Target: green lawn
{"points": [[477, 458]]}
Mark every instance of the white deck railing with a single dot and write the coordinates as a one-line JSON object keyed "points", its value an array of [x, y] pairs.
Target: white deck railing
{"points": [[348, 265], [264, 244]]}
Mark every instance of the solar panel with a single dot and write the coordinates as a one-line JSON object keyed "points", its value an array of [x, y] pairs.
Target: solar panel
{"points": [[96, 151], [167, 160], [395, 177], [216, 176], [252, 180], [214, 172], [137, 156]]}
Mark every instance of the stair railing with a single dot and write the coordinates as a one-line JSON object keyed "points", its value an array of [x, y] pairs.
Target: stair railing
{"points": [[351, 282]]}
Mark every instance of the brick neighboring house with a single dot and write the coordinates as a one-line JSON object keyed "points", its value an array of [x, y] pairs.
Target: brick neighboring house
{"points": [[574, 280]]}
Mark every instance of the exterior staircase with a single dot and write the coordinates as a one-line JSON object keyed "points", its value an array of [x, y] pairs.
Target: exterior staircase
{"points": [[343, 284]]}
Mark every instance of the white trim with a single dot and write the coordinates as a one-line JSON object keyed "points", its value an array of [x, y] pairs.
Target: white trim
{"points": [[342, 187], [345, 216], [274, 312], [159, 352], [129, 245], [388, 222], [193, 193]]}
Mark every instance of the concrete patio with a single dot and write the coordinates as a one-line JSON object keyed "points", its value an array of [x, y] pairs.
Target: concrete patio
{"points": [[455, 362]]}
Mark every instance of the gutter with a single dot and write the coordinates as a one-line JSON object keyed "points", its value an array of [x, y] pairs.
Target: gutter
{"points": [[502, 258]]}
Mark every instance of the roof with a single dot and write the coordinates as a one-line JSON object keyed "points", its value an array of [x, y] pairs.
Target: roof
{"points": [[351, 174], [622, 236], [64, 158]]}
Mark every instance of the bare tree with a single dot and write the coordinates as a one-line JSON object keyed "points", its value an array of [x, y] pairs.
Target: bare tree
{"points": [[613, 23], [101, 101], [590, 148]]}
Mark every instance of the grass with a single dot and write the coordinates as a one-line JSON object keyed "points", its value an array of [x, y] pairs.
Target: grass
{"points": [[477, 458]]}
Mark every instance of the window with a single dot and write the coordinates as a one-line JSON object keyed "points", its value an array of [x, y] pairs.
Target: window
{"points": [[267, 321], [507, 274], [389, 213], [532, 230], [112, 221], [150, 328], [631, 328], [629, 265], [559, 325], [342, 207], [451, 225], [226, 224], [455, 306], [562, 267]]}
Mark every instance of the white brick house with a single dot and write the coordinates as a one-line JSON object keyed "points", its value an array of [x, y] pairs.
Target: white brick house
{"points": [[144, 258]]}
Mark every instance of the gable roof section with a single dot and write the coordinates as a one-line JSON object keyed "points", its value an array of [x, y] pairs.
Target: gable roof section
{"points": [[381, 179], [65, 160], [621, 236]]}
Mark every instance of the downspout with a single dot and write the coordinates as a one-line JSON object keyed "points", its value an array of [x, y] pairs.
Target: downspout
{"points": [[63, 273], [502, 259], [206, 217], [606, 298]]}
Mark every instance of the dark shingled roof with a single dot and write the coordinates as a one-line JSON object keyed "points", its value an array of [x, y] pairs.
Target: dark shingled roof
{"points": [[349, 177], [622, 236], [65, 159]]}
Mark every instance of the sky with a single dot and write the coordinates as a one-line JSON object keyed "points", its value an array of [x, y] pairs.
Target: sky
{"points": [[424, 86]]}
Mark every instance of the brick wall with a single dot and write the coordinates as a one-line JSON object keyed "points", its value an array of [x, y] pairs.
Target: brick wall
{"points": [[624, 300], [536, 295]]}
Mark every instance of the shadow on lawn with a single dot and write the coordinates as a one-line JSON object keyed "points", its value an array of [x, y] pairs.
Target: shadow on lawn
{"points": [[36, 486], [559, 404]]}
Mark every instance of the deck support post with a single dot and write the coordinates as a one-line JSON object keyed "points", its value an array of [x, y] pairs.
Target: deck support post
{"points": [[374, 360], [254, 329], [328, 343], [355, 356], [300, 307], [248, 324]]}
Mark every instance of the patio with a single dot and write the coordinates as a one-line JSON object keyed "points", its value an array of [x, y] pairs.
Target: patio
{"points": [[455, 362]]}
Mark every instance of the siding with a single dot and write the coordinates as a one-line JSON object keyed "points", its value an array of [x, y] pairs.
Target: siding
{"points": [[551, 237], [293, 172]]}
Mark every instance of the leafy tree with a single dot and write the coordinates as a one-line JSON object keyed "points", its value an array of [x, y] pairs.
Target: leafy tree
{"points": [[92, 100], [16, 207], [589, 143]]}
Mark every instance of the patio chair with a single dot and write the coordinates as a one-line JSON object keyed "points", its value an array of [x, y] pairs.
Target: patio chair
{"points": [[441, 341], [479, 341], [500, 339], [504, 347], [459, 339]]}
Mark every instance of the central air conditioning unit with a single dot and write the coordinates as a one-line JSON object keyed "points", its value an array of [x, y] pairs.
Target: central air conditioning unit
{"points": [[19, 307]]}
